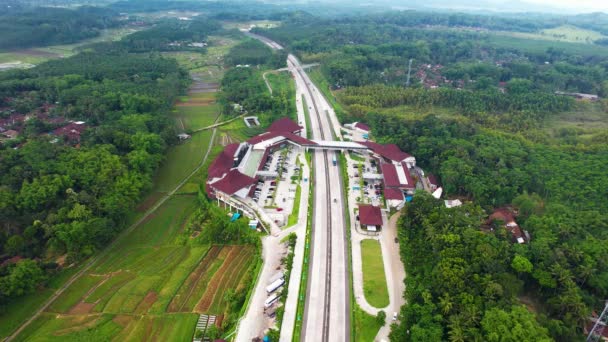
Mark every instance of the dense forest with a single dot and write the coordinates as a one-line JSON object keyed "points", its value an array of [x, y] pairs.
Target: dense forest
{"points": [[43, 26], [475, 115]]}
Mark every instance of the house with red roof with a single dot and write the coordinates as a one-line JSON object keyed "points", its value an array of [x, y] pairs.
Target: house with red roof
{"points": [[285, 125], [361, 127], [506, 218], [71, 132], [370, 217], [389, 153], [394, 197], [433, 182]]}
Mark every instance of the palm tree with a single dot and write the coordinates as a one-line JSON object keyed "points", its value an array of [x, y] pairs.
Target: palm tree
{"points": [[446, 304]]}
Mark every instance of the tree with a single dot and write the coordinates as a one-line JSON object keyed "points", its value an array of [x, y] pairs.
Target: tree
{"points": [[213, 332], [23, 278], [515, 325], [381, 317], [521, 264]]}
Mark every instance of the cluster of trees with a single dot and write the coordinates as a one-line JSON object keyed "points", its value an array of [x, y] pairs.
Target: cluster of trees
{"points": [[56, 199], [171, 35], [254, 52], [521, 107], [217, 228], [462, 284], [559, 192], [42, 26], [245, 87]]}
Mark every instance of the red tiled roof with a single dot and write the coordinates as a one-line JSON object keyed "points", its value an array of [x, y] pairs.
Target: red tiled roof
{"points": [[390, 151], [590, 326], [502, 214], [233, 182], [224, 162], [516, 232], [370, 215], [287, 135], [433, 179], [389, 172], [393, 194], [284, 125], [362, 126], [72, 131], [408, 176], [391, 178]]}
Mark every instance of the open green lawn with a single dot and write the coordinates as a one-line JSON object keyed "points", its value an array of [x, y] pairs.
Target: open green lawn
{"points": [[564, 33], [181, 160], [281, 82], [584, 116], [196, 111], [374, 279], [366, 327], [531, 45], [572, 34], [209, 64]]}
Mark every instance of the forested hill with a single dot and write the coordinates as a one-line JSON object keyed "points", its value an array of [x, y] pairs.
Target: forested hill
{"points": [[43, 26]]}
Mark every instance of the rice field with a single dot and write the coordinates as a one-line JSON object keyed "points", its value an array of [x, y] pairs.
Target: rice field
{"points": [[149, 287]]}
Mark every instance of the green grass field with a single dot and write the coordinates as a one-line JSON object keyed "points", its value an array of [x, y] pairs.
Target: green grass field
{"points": [[41, 54], [105, 327], [564, 33], [572, 34], [196, 111], [374, 279], [181, 160], [366, 327], [532, 45], [210, 64]]}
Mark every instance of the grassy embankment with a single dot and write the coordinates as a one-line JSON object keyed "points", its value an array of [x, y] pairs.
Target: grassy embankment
{"points": [[374, 279]]}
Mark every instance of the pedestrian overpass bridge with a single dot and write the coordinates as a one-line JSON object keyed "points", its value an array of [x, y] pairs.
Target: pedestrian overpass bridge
{"points": [[335, 145]]}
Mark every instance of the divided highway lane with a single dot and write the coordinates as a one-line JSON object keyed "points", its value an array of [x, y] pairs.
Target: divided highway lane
{"points": [[327, 312]]}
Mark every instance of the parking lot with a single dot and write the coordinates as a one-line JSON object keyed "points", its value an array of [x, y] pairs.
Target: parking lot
{"points": [[365, 190], [276, 194]]}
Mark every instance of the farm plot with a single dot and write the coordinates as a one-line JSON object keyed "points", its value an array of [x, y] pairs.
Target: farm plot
{"points": [[126, 295], [197, 111], [228, 276], [49, 327]]}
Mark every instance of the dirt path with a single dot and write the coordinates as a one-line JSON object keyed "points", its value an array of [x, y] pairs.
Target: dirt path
{"points": [[215, 125], [94, 260]]}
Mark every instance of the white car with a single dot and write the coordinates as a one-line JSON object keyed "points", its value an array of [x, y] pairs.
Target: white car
{"points": [[394, 316]]}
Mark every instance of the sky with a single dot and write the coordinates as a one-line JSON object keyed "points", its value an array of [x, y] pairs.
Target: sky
{"points": [[586, 5]]}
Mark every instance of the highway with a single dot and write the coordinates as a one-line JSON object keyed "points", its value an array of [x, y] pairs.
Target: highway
{"points": [[327, 307]]}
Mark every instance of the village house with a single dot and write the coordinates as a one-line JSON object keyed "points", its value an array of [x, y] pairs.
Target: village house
{"points": [[506, 218]]}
